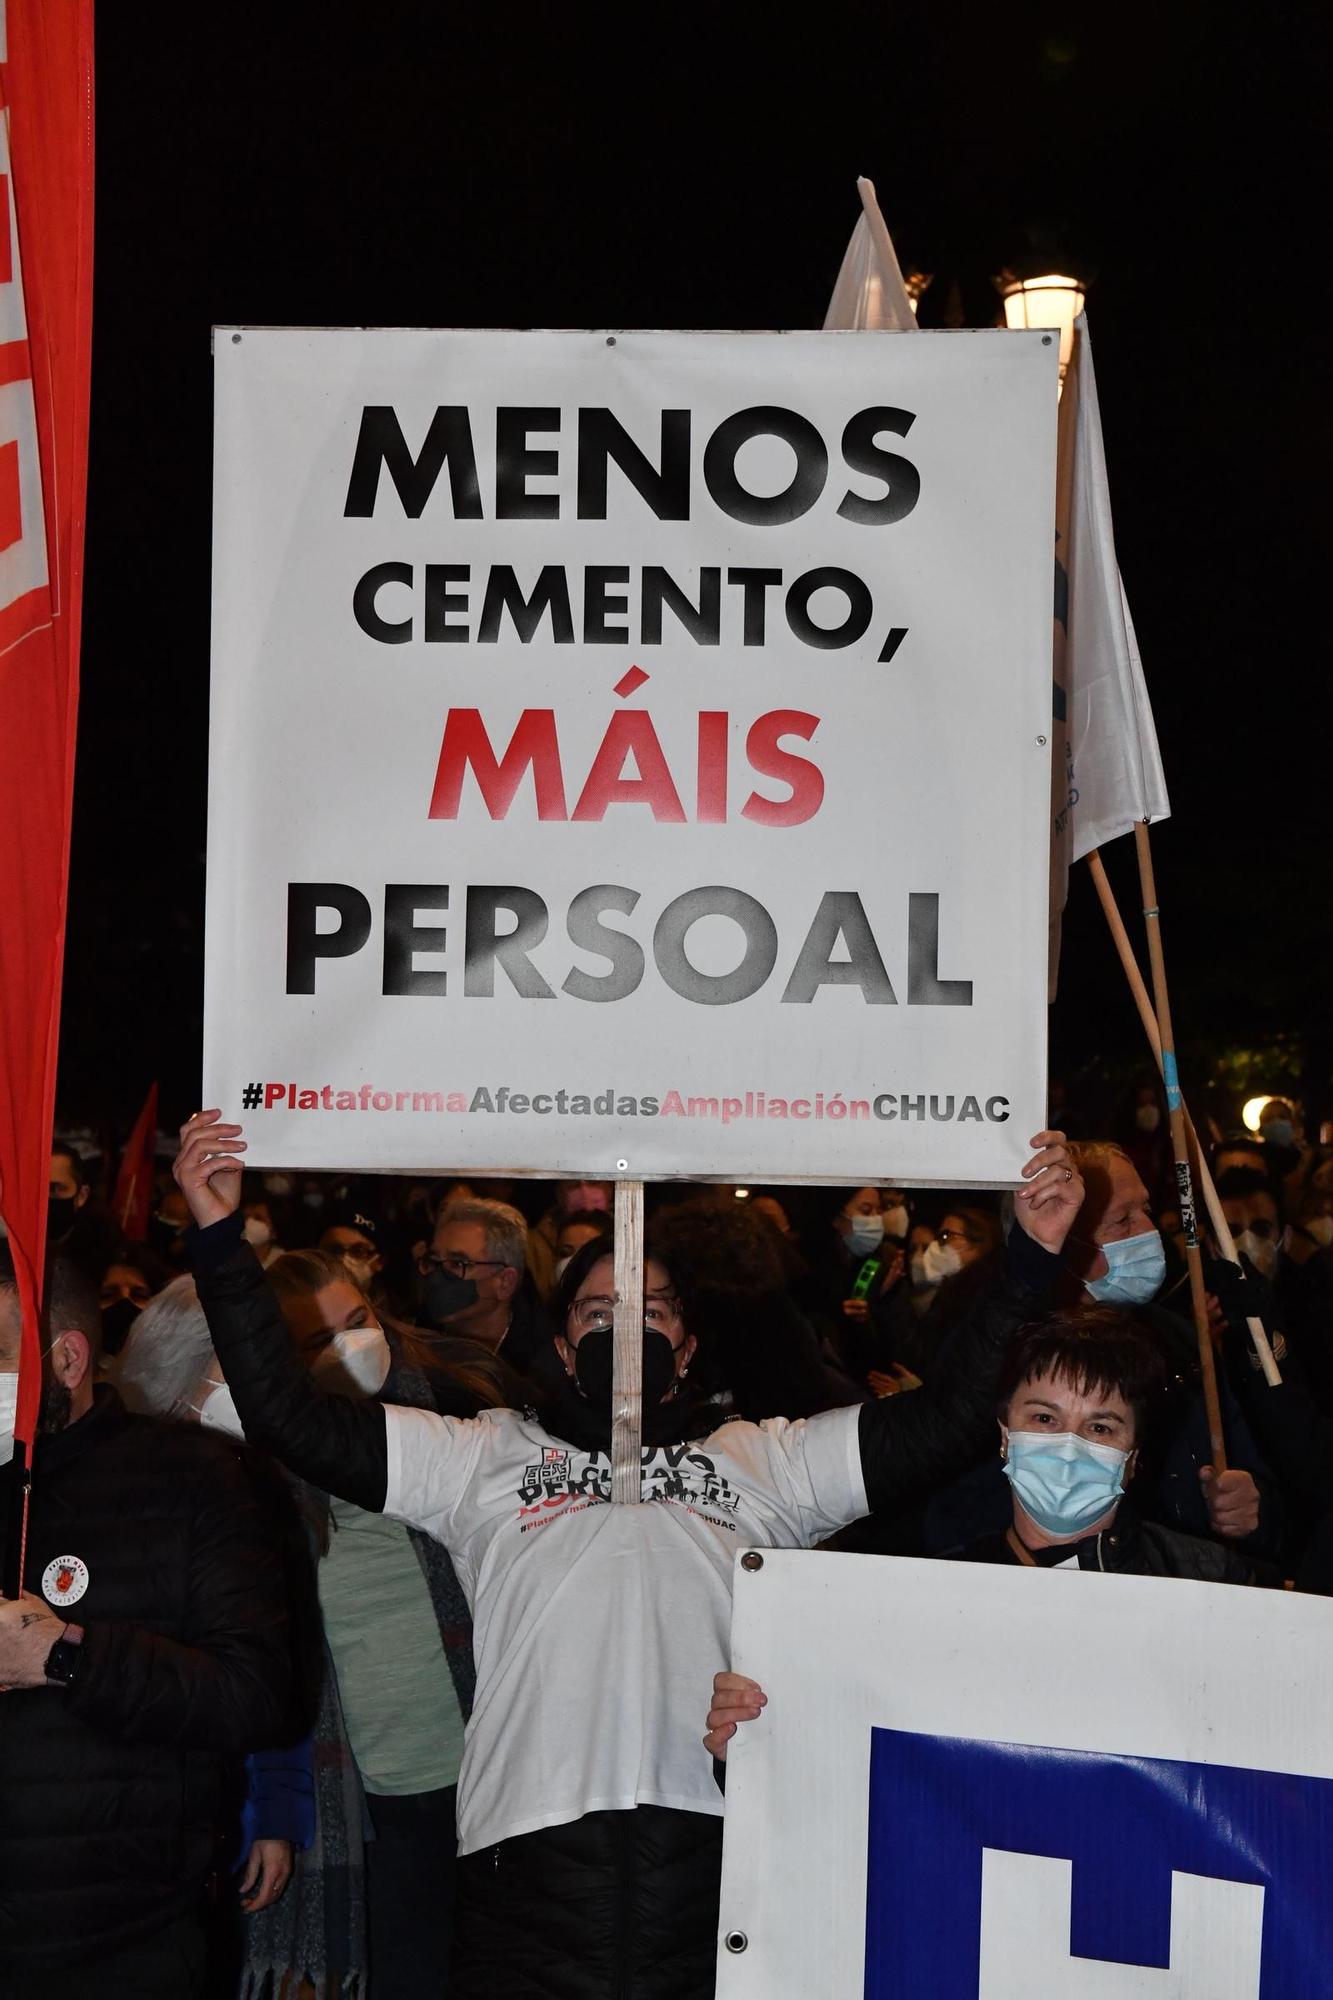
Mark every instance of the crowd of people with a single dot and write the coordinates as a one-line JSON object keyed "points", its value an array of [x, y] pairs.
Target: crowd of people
{"points": [[336, 1674]]}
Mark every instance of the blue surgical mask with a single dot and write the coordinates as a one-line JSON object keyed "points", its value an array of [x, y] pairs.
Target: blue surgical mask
{"points": [[865, 1234], [1064, 1481], [1135, 1269], [1278, 1132]]}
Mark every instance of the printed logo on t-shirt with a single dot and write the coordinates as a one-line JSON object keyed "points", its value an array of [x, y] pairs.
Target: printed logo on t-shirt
{"points": [[680, 1474]]}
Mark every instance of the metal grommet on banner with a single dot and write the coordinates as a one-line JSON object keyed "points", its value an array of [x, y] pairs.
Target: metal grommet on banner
{"points": [[752, 1560], [736, 1941]]}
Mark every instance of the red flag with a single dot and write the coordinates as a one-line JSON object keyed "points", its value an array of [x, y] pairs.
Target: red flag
{"points": [[134, 1182], [46, 268]]}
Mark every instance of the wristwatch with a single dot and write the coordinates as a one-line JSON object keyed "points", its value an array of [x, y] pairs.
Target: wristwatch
{"points": [[62, 1662]]}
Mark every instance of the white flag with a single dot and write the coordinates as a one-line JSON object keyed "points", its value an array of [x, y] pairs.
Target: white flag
{"points": [[1112, 766], [870, 293], [1106, 769]]}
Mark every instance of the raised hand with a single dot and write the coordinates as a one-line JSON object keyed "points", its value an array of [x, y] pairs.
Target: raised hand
{"points": [[206, 1171], [1047, 1206]]}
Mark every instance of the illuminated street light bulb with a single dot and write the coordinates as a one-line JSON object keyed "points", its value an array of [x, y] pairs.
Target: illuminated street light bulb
{"points": [[917, 283], [1252, 1111], [1049, 301], [743, 1194]]}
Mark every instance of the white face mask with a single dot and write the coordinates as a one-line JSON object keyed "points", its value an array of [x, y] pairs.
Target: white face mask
{"points": [[918, 1262], [218, 1412], [256, 1233], [1261, 1251], [360, 1356], [941, 1261], [1321, 1228], [9, 1403], [359, 1270], [897, 1221], [562, 1264]]}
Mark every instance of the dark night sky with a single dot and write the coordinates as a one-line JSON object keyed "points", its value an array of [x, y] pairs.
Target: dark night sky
{"points": [[429, 164]]}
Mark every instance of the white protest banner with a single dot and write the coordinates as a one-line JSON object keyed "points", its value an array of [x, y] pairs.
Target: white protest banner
{"points": [[978, 1783], [629, 752]]}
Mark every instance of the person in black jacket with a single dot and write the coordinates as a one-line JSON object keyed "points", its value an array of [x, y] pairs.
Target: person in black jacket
{"points": [[588, 1818], [148, 1653], [1075, 1401], [1075, 1397]]}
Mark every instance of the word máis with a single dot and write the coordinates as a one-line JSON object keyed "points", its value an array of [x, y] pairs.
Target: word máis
{"points": [[840, 924], [629, 740], [1114, 1875]]}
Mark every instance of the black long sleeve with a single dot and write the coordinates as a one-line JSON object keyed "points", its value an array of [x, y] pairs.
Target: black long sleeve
{"points": [[337, 1443], [909, 1439], [226, 1682]]}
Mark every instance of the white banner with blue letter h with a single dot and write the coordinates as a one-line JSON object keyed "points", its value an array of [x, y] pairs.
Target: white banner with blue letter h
{"points": [[977, 1783]]}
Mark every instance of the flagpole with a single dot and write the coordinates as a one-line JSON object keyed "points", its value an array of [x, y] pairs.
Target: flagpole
{"points": [[627, 1350], [1180, 1145], [1221, 1227]]}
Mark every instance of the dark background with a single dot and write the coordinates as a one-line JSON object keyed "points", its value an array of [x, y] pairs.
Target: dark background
{"points": [[413, 164]]}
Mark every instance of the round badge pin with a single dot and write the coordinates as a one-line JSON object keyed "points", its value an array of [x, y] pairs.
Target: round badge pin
{"points": [[65, 1580]]}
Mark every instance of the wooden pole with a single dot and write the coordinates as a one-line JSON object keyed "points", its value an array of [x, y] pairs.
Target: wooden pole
{"points": [[1180, 1146], [627, 1377], [1221, 1227]]}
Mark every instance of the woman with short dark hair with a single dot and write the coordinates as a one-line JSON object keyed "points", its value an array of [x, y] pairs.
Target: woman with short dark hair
{"points": [[1076, 1396]]}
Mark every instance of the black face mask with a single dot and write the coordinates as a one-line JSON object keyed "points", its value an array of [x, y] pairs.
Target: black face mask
{"points": [[116, 1323], [60, 1213], [443, 1296], [594, 1364], [167, 1238]]}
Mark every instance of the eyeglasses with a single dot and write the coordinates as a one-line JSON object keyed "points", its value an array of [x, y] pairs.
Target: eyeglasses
{"points": [[458, 1266], [954, 1236], [660, 1310]]}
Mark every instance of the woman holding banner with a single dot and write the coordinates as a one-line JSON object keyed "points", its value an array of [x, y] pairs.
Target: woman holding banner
{"points": [[1076, 1393], [588, 1818]]}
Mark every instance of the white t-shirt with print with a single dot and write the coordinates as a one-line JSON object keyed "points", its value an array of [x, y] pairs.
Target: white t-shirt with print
{"points": [[597, 1628]]}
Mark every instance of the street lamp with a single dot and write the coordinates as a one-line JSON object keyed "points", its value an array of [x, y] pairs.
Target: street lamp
{"points": [[917, 284], [1050, 299], [1252, 1111]]}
